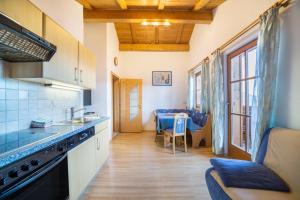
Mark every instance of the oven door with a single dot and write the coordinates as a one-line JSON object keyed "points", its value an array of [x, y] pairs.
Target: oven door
{"points": [[48, 183]]}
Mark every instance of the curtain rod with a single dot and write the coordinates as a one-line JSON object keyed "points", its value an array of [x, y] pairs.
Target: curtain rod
{"points": [[200, 63], [281, 3]]}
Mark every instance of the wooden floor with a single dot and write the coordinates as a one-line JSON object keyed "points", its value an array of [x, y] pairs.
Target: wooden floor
{"points": [[138, 168]]}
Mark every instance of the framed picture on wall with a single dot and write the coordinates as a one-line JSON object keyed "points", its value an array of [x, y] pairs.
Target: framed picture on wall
{"points": [[162, 78]]}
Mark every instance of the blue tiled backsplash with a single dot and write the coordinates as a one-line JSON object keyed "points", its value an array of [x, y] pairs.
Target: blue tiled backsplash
{"points": [[21, 102]]}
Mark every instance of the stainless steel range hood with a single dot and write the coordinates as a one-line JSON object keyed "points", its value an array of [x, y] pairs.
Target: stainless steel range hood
{"points": [[17, 44]]}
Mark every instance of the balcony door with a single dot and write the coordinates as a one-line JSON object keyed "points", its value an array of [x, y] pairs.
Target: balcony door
{"points": [[241, 76]]}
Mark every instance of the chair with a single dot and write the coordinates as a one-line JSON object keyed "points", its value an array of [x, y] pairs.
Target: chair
{"points": [[203, 133], [179, 129]]}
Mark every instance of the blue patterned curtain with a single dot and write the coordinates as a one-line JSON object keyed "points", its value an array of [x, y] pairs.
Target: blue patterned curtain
{"points": [[205, 88], [190, 98], [266, 71], [217, 104]]}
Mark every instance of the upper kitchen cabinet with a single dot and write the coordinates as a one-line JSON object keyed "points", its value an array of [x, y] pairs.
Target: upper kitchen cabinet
{"points": [[64, 64], [25, 13], [87, 68]]}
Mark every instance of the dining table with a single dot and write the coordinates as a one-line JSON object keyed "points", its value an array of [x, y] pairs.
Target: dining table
{"points": [[166, 121]]}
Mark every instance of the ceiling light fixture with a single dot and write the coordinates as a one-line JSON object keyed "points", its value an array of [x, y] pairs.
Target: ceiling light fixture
{"points": [[156, 23]]}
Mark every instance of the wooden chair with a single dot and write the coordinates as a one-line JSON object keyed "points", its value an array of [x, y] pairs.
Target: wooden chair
{"points": [[179, 129], [203, 133]]}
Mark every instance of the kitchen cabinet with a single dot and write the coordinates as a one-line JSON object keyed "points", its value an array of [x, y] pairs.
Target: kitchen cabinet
{"points": [[101, 148], [81, 167], [62, 68], [25, 13], [64, 64], [86, 67], [86, 159]]}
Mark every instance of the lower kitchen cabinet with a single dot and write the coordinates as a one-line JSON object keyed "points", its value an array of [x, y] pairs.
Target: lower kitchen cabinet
{"points": [[86, 159], [101, 147], [81, 167]]}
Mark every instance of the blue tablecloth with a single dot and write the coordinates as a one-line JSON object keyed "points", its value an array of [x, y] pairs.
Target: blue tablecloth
{"points": [[166, 121]]}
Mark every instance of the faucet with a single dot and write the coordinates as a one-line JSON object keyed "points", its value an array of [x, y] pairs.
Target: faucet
{"points": [[73, 111]]}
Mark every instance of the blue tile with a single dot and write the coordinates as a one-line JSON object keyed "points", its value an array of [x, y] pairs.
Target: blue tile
{"points": [[12, 116], [12, 94], [12, 104], [33, 104], [23, 94], [12, 83], [23, 105], [2, 93], [23, 114], [2, 117], [2, 82], [32, 94], [2, 105], [12, 126], [2, 128]]}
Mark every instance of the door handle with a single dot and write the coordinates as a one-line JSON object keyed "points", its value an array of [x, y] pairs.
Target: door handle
{"points": [[98, 144], [81, 76], [75, 75]]}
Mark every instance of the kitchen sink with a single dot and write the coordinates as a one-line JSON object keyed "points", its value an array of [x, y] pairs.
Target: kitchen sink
{"points": [[74, 122]]}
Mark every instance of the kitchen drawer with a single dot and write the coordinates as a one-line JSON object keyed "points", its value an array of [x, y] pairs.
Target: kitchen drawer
{"points": [[101, 126]]}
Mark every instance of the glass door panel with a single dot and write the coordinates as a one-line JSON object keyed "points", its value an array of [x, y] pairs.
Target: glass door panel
{"points": [[241, 73]]}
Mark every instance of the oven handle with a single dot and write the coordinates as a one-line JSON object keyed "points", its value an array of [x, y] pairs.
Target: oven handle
{"points": [[34, 176]]}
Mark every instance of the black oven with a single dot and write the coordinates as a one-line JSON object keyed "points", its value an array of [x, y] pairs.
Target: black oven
{"points": [[42, 176]]}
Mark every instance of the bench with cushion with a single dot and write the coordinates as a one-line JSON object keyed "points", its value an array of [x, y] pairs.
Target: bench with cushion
{"points": [[201, 120], [279, 153]]}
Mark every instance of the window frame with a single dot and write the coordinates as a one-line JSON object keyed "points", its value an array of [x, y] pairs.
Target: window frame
{"points": [[234, 150], [198, 74]]}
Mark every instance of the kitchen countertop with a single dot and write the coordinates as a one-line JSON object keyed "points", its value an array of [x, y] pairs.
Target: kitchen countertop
{"points": [[17, 145]]}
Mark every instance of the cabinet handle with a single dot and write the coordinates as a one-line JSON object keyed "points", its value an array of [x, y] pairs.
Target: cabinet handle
{"points": [[76, 79], [81, 76], [98, 144]]}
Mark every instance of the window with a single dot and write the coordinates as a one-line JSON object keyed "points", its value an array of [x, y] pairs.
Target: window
{"points": [[198, 89], [241, 77]]}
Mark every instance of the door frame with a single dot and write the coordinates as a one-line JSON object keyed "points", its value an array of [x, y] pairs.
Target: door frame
{"points": [[234, 151], [115, 100]]}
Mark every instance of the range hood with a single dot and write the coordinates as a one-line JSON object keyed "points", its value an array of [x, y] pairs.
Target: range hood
{"points": [[17, 44]]}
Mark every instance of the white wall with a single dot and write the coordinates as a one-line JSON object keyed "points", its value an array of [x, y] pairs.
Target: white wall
{"points": [[95, 39], [289, 72], [112, 50], [234, 15], [229, 18], [140, 65], [67, 13], [102, 39]]}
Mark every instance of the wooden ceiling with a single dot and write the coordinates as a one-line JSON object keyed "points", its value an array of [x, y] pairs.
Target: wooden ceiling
{"points": [[128, 16]]}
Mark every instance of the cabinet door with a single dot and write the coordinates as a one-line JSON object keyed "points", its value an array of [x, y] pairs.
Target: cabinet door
{"points": [[25, 13], [102, 147], [81, 167], [87, 68], [64, 64], [131, 105]]}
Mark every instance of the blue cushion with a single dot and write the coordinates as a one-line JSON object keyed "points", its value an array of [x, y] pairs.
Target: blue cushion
{"points": [[247, 174], [215, 190]]}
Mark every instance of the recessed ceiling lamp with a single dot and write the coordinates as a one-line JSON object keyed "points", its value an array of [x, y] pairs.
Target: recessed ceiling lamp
{"points": [[156, 23]]}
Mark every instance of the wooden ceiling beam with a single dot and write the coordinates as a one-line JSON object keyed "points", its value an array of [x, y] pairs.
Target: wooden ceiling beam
{"points": [[200, 4], [85, 4], [138, 16], [161, 4], [154, 47], [122, 4], [179, 33], [156, 35]]}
